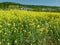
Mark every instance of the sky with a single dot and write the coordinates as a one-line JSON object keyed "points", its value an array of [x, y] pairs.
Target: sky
{"points": [[36, 2]]}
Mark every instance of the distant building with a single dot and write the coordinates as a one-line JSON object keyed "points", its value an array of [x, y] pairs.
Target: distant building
{"points": [[44, 8], [49, 9], [26, 8], [13, 6]]}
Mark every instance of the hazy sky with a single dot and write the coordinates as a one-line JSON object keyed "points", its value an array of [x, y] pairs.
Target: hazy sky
{"points": [[36, 2]]}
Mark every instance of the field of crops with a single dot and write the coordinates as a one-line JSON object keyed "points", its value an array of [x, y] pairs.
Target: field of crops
{"points": [[19, 27]]}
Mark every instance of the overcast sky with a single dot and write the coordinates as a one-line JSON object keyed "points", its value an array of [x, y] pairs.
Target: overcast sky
{"points": [[36, 2]]}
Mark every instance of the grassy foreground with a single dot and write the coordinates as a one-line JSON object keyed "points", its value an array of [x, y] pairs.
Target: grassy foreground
{"points": [[19, 27]]}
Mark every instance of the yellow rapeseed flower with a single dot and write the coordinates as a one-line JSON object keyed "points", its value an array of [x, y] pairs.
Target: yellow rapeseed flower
{"points": [[8, 43], [0, 43]]}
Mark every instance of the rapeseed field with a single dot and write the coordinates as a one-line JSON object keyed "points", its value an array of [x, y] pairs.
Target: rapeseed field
{"points": [[22, 27]]}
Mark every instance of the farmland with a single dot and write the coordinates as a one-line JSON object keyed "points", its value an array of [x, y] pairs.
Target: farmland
{"points": [[22, 27]]}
